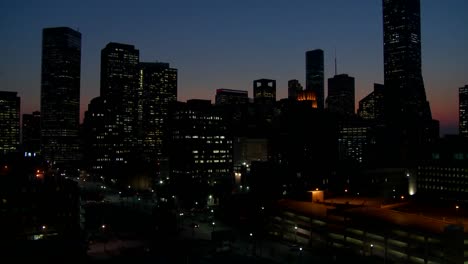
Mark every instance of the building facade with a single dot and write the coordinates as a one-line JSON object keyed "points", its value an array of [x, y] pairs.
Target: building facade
{"points": [[60, 94], [31, 133], [9, 122], [159, 90], [371, 107], [315, 75], [294, 88], [341, 95], [200, 156], [463, 111], [402, 60], [231, 97]]}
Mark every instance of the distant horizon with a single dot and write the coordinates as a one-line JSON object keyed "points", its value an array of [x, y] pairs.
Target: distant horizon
{"points": [[229, 45]]}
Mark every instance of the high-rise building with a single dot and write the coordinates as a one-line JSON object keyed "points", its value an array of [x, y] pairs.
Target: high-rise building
{"points": [[408, 119], [159, 90], [405, 93], [121, 89], [31, 133], [264, 91], [294, 88], [200, 157], [60, 94], [315, 75], [341, 94], [463, 111], [231, 97], [9, 122], [101, 140], [371, 107]]}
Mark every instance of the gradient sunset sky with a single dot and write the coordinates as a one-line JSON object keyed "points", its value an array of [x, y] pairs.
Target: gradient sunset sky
{"points": [[228, 44]]}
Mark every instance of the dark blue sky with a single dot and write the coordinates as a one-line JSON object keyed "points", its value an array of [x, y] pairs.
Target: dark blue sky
{"points": [[228, 44]]}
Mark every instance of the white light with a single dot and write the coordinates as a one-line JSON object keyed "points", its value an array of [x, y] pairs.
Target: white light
{"points": [[251, 234]]}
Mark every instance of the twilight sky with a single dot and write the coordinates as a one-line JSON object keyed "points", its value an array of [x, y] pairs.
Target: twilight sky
{"points": [[228, 44]]}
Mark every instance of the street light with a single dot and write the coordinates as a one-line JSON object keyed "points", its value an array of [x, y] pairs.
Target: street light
{"points": [[213, 224], [295, 233]]}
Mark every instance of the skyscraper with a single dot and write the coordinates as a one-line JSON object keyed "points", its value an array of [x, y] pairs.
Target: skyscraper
{"points": [[32, 133], [9, 122], [159, 90], [408, 120], [405, 93], [201, 152], [264, 91], [341, 94], [120, 88], [294, 88], [315, 75], [111, 124], [463, 111], [60, 94], [371, 107]]}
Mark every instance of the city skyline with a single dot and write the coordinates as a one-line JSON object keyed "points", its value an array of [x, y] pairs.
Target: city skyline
{"points": [[213, 46]]}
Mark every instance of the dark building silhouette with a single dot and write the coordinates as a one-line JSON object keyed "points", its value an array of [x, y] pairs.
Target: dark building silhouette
{"points": [[294, 88], [442, 176], [40, 214], [234, 106], [371, 107], [200, 156], [231, 97], [303, 141], [264, 91], [31, 133], [9, 122], [101, 142], [409, 123], [341, 95], [463, 111], [116, 112], [402, 60], [60, 94], [315, 75], [354, 138], [159, 90]]}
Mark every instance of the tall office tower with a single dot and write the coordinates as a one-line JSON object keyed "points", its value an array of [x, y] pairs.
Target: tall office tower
{"points": [[231, 97], [9, 122], [31, 133], [121, 89], [463, 111], [408, 118], [201, 153], [60, 94], [315, 75], [341, 94], [371, 107], [405, 93], [101, 140], [159, 90], [264, 99], [264, 91], [294, 88]]}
